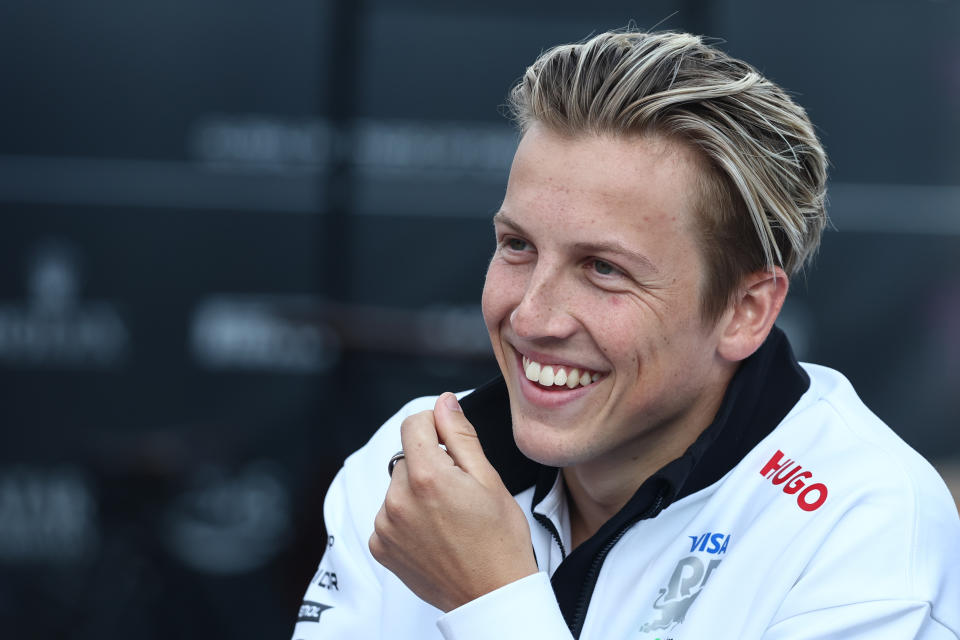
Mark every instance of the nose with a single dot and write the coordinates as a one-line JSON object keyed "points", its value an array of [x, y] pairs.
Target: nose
{"points": [[544, 310]]}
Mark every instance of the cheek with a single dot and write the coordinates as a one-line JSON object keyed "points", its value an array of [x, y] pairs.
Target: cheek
{"points": [[497, 294], [617, 325]]}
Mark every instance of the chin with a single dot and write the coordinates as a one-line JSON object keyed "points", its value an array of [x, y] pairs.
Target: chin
{"points": [[545, 446]]}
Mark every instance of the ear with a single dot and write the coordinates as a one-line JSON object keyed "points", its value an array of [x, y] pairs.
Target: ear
{"points": [[751, 315]]}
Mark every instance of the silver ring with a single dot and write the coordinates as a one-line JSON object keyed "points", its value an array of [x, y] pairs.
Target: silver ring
{"points": [[394, 459]]}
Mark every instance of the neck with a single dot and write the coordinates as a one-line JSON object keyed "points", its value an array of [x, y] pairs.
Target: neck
{"points": [[595, 494]]}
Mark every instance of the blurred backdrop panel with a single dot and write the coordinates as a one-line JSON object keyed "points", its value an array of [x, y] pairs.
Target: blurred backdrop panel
{"points": [[236, 236]]}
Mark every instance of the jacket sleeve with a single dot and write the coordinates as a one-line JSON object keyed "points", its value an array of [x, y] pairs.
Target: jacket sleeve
{"points": [[522, 610], [343, 598]]}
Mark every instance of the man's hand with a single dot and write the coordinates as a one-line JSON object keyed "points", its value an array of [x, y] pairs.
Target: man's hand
{"points": [[448, 528]]}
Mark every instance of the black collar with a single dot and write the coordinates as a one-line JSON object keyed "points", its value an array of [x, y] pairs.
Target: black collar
{"points": [[764, 389]]}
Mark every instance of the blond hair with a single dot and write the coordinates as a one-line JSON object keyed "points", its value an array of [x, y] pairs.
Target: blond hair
{"points": [[762, 204]]}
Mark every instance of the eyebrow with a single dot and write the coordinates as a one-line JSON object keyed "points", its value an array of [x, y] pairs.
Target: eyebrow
{"points": [[608, 247]]}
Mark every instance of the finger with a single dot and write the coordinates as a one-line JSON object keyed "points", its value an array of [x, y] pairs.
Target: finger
{"points": [[399, 472], [379, 542], [461, 439], [421, 449]]}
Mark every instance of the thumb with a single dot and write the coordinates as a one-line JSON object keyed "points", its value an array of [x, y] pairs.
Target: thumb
{"points": [[460, 439]]}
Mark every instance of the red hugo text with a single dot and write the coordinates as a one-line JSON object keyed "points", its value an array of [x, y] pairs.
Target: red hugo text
{"points": [[793, 477]]}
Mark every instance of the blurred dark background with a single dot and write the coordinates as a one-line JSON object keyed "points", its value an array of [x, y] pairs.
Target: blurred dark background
{"points": [[236, 236]]}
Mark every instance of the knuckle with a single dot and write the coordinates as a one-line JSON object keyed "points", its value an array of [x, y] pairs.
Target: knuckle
{"points": [[376, 546], [393, 507], [414, 419], [422, 481], [412, 423], [380, 521], [466, 431]]}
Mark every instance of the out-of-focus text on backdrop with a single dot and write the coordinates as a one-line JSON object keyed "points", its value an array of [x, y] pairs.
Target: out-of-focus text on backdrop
{"points": [[238, 235]]}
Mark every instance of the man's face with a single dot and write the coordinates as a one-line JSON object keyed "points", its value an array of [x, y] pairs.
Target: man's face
{"points": [[597, 274]]}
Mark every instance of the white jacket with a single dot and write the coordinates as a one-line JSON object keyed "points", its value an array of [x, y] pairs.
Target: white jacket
{"points": [[826, 526]]}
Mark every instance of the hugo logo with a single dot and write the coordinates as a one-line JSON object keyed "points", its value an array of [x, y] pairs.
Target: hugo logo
{"points": [[793, 478]]}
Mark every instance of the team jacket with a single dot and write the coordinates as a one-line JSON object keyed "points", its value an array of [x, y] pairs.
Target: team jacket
{"points": [[796, 515]]}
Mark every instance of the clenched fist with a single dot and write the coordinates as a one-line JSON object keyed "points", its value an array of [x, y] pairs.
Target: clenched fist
{"points": [[448, 528]]}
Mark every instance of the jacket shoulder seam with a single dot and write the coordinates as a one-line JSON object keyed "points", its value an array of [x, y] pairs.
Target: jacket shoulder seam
{"points": [[905, 474]]}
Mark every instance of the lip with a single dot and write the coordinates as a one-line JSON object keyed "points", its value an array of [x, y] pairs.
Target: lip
{"points": [[540, 397]]}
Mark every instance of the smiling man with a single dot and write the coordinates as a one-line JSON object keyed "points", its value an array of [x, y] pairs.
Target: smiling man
{"points": [[653, 463]]}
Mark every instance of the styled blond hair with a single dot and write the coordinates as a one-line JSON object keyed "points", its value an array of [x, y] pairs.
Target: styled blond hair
{"points": [[762, 204]]}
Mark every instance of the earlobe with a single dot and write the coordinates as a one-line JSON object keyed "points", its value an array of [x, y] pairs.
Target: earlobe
{"points": [[751, 315]]}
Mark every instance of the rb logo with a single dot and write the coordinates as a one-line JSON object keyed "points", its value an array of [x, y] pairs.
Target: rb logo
{"points": [[686, 583]]}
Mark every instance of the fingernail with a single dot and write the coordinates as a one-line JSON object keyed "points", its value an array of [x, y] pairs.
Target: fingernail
{"points": [[451, 403]]}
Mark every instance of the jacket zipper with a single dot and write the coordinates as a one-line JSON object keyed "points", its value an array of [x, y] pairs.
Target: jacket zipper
{"points": [[547, 524], [580, 613]]}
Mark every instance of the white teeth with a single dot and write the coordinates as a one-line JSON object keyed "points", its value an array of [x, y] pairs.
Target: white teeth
{"points": [[560, 377], [546, 376], [555, 376], [533, 371]]}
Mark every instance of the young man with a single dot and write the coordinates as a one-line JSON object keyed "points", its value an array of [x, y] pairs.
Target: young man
{"points": [[654, 463]]}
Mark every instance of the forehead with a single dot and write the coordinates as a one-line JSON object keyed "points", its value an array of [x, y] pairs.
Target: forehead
{"points": [[593, 182]]}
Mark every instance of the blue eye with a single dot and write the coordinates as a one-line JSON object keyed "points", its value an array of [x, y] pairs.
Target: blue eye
{"points": [[603, 268], [516, 244]]}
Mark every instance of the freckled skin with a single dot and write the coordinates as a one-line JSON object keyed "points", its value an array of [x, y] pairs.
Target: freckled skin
{"points": [[664, 378]]}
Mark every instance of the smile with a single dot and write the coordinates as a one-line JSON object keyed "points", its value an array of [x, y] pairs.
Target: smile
{"points": [[555, 375]]}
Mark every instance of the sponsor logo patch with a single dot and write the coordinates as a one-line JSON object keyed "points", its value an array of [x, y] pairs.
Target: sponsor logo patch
{"points": [[672, 603], [709, 542], [310, 611], [326, 580], [795, 480]]}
